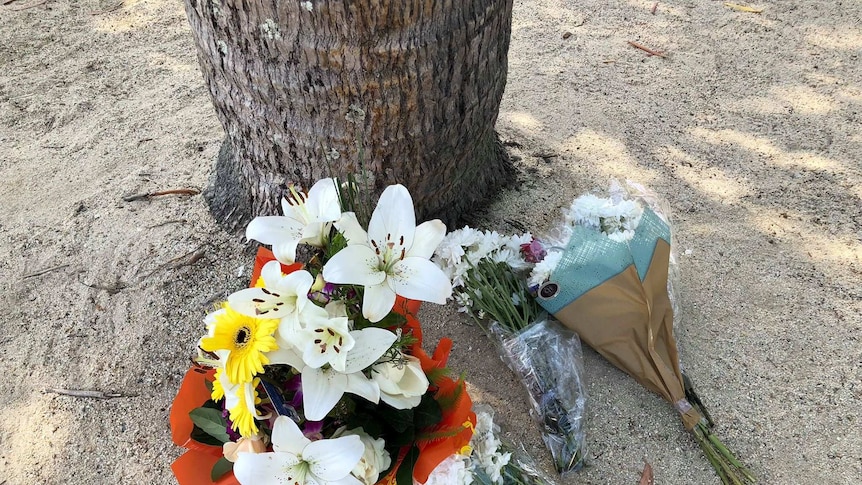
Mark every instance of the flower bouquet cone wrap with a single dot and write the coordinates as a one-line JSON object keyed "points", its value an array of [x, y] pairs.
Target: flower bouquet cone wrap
{"points": [[614, 295], [610, 286]]}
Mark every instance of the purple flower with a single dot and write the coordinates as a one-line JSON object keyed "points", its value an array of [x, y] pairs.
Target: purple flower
{"points": [[533, 251], [313, 430], [294, 385]]}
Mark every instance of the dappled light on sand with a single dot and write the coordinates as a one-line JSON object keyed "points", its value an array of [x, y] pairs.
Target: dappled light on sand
{"points": [[717, 185], [133, 15], [607, 154], [766, 147], [523, 120], [32, 441]]}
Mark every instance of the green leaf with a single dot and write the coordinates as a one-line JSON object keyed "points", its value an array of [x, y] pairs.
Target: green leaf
{"points": [[482, 477], [211, 422], [427, 413], [401, 419], [404, 476], [336, 243], [220, 468], [201, 436], [391, 320], [209, 385]]}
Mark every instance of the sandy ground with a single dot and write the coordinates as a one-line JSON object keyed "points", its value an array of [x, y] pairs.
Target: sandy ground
{"points": [[749, 127]]}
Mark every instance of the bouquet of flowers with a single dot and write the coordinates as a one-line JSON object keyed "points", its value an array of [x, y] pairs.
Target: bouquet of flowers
{"points": [[490, 461], [605, 275], [488, 271], [316, 373]]}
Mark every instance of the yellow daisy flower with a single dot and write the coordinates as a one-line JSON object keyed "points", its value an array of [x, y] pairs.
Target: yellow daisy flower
{"points": [[245, 338], [218, 389], [242, 414]]}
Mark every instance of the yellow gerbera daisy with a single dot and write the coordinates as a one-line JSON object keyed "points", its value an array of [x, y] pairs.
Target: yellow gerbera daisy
{"points": [[243, 413], [218, 389], [245, 338]]}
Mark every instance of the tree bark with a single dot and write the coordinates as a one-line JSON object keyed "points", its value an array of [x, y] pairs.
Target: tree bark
{"points": [[407, 91]]}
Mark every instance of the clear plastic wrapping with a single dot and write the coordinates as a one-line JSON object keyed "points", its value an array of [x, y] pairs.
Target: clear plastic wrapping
{"points": [[549, 362]]}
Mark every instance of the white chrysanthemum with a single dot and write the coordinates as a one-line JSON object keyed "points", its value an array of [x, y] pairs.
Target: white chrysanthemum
{"points": [[543, 269], [464, 302], [621, 236], [487, 447], [616, 220], [586, 210], [452, 470], [464, 248]]}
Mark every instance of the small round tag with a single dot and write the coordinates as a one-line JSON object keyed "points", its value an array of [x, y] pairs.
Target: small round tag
{"points": [[549, 290]]}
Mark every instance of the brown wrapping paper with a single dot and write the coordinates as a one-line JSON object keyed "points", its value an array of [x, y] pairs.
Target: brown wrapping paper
{"points": [[630, 323]]}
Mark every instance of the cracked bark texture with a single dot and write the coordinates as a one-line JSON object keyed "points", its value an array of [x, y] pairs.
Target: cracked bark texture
{"points": [[406, 90]]}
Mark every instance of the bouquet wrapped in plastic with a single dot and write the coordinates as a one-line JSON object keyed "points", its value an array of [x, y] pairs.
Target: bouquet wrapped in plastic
{"points": [[490, 460], [487, 272], [605, 275]]}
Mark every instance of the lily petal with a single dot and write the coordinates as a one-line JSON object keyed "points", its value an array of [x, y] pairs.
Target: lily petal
{"points": [[371, 344], [356, 264], [379, 299], [262, 468], [349, 226], [333, 459], [271, 273], [323, 205], [285, 354], [400, 401], [248, 300], [363, 387], [287, 437], [394, 216], [277, 231], [321, 390], [419, 279], [428, 236], [348, 480]]}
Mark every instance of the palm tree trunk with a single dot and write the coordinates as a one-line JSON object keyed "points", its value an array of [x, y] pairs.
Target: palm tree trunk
{"points": [[407, 91]]}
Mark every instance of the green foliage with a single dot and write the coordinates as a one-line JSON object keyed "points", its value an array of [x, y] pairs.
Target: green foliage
{"points": [[448, 400], [210, 422], [405, 471], [336, 243], [435, 374], [427, 413], [220, 468], [490, 286], [392, 320]]}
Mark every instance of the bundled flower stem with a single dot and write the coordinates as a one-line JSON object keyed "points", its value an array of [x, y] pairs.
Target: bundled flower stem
{"points": [[486, 270], [509, 303]]}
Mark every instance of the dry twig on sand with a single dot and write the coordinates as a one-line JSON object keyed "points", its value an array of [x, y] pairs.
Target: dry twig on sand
{"points": [[43, 271], [149, 195], [25, 7], [109, 9], [647, 49], [88, 393]]}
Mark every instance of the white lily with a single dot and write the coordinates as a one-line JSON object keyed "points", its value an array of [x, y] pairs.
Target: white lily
{"points": [[323, 387], [392, 258], [307, 219], [282, 296], [402, 381], [298, 460], [325, 340]]}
